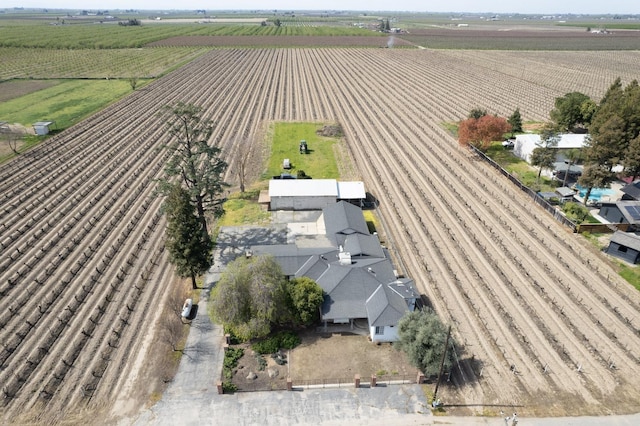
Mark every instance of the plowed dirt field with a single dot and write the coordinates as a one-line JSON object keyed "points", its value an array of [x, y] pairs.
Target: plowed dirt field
{"points": [[543, 321]]}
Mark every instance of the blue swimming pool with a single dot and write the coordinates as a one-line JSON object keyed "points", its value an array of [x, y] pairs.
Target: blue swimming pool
{"points": [[596, 193]]}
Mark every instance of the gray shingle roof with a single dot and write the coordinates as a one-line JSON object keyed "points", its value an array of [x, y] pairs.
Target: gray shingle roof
{"points": [[364, 288], [344, 218], [363, 245], [630, 210], [632, 189], [627, 239]]}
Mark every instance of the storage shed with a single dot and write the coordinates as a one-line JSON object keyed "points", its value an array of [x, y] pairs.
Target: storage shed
{"points": [[312, 194], [625, 246], [42, 127], [302, 194]]}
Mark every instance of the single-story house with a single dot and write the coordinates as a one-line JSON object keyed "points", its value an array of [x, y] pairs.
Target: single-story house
{"points": [[357, 276], [625, 246], [312, 194], [622, 212], [526, 143]]}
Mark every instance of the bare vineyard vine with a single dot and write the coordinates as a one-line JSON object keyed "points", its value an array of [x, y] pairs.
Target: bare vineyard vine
{"points": [[82, 264]]}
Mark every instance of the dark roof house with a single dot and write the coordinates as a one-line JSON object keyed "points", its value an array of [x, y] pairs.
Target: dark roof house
{"points": [[358, 279], [631, 191], [622, 212]]}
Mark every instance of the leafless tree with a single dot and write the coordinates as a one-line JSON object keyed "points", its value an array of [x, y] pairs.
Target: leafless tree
{"points": [[13, 139], [242, 161]]}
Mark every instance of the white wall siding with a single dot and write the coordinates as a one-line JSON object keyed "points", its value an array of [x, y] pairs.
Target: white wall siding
{"points": [[389, 334]]}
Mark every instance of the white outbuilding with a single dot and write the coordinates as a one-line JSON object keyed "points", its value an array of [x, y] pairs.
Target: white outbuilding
{"points": [[312, 194], [526, 143]]}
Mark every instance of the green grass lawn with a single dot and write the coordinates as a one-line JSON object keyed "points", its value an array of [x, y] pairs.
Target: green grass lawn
{"points": [[631, 274], [519, 168], [319, 163], [243, 209], [284, 142], [66, 103]]}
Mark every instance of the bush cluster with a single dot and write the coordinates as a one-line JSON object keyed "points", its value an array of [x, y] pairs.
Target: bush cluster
{"points": [[280, 340], [228, 387], [576, 211], [262, 363], [231, 358]]}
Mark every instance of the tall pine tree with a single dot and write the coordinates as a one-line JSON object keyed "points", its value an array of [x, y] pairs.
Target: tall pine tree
{"points": [[194, 163], [189, 250], [515, 120]]}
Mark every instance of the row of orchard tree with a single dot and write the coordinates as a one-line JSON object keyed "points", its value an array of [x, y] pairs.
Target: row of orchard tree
{"points": [[613, 128]]}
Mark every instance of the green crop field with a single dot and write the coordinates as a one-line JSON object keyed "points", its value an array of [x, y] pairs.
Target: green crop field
{"points": [[66, 103], [319, 163], [91, 63], [112, 36]]}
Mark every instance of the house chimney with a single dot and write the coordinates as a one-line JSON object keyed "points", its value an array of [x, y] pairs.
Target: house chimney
{"points": [[344, 258]]}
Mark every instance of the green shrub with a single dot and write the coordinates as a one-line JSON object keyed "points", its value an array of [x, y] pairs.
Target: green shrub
{"points": [[266, 346], [575, 211], [233, 337], [262, 363], [231, 358], [280, 340], [228, 387], [289, 340]]}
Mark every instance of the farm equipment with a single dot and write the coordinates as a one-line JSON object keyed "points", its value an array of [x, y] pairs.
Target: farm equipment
{"points": [[303, 147]]}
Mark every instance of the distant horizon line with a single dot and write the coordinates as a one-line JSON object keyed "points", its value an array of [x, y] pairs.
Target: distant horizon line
{"points": [[323, 11]]}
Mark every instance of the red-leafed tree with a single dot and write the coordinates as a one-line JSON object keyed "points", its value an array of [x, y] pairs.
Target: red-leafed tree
{"points": [[481, 131]]}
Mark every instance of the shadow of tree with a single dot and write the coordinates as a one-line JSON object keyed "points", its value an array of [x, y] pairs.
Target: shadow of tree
{"points": [[234, 241]]}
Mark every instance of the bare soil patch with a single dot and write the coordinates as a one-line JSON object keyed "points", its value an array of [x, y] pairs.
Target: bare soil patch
{"points": [[15, 88], [329, 357], [323, 358], [250, 376], [11, 137]]}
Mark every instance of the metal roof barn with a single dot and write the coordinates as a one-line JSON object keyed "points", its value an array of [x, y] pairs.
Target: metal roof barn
{"points": [[311, 194]]}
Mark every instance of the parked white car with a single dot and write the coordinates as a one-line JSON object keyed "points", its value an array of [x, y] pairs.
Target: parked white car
{"points": [[186, 308]]}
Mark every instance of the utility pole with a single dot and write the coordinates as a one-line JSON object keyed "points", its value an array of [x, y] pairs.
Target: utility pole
{"points": [[444, 356]]}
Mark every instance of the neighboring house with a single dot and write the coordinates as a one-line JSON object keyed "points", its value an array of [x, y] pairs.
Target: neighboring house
{"points": [[631, 191], [626, 246], [353, 269], [312, 194], [526, 143], [622, 212]]}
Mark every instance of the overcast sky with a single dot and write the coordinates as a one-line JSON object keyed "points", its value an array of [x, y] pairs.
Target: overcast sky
{"points": [[496, 6]]}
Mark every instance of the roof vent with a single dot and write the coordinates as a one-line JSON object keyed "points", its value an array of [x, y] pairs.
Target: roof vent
{"points": [[371, 270]]}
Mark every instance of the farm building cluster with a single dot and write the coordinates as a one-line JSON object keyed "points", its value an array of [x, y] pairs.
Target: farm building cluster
{"points": [[335, 248]]}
